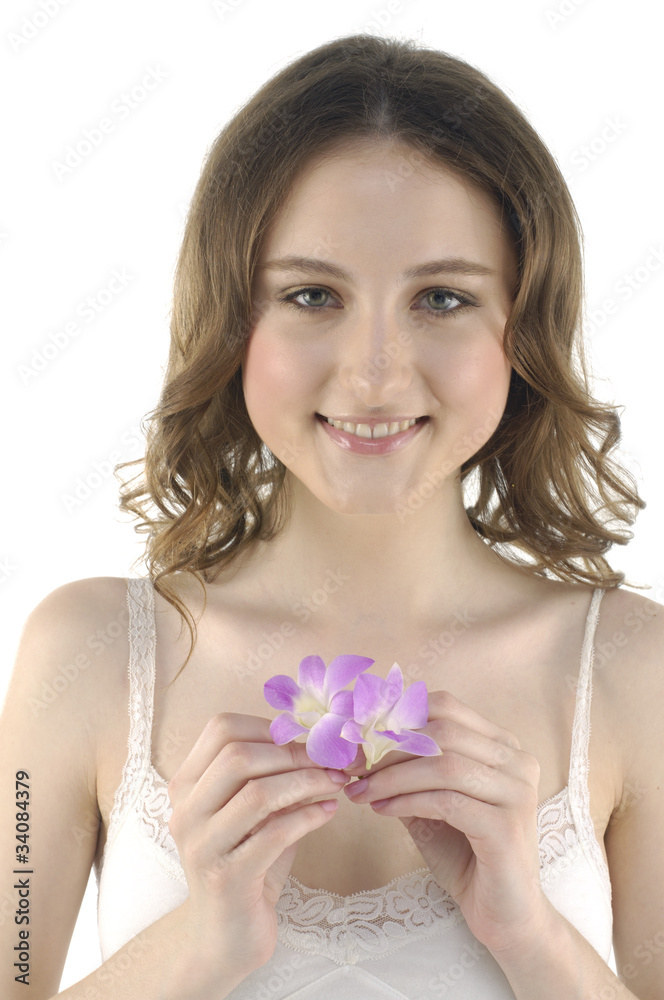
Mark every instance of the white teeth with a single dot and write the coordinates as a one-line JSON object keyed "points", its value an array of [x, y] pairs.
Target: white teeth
{"points": [[379, 431]]}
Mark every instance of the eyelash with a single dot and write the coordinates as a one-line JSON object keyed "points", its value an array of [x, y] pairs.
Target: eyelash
{"points": [[466, 303]]}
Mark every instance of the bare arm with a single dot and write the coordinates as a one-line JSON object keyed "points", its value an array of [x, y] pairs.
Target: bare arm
{"points": [[240, 806], [48, 751], [633, 839]]}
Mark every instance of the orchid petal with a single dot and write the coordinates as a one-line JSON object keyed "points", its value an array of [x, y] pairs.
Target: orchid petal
{"points": [[419, 744], [342, 670], [412, 709], [311, 675], [397, 737], [280, 692], [376, 747], [342, 704], [285, 728], [395, 683], [368, 698], [325, 745], [352, 730], [308, 719]]}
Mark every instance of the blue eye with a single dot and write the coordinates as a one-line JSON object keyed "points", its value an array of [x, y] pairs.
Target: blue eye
{"points": [[290, 298], [446, 294], [315, 291]]}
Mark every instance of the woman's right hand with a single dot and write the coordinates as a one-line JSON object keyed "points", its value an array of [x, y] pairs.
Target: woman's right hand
{"points": [[240, 805]]}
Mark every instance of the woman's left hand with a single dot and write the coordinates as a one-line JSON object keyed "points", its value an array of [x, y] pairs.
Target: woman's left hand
{"points": [[472, 813]]}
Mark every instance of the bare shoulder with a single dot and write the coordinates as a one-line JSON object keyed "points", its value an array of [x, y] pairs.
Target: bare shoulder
{"points": [[629, 672], [74, 645], [630, 632], [63, 695]]}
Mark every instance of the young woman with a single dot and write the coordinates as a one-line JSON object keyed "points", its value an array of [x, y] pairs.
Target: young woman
{"points": [[375, 438]]}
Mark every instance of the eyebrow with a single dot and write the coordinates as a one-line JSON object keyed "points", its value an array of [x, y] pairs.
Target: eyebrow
{"points": [[446, 265]]}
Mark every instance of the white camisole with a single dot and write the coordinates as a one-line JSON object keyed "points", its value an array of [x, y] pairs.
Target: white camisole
{"points": [[404, 941]]}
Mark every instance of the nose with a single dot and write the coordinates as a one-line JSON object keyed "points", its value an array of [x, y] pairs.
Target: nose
{"points": [[376, 364]]}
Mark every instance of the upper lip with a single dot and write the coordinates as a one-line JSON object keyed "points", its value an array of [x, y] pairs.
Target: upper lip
{"points": [[371, 421]]}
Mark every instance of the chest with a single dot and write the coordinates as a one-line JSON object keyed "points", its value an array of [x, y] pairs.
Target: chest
{"points": [[520, 675]]}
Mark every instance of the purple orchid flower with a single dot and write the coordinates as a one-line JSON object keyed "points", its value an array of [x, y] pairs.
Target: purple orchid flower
{"points": [[384, 717], [318, 706]]}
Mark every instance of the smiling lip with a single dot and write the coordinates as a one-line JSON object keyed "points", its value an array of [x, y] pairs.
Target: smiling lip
{"points": [[371, 446], [371, 421]]}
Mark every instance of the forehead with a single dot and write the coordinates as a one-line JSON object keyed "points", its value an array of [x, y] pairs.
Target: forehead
{"points": [[390, 195]]}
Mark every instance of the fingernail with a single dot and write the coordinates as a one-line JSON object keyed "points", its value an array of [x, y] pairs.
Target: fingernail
{"points": [[356, 787], [337, 776], [329, 805], [379, 803]]}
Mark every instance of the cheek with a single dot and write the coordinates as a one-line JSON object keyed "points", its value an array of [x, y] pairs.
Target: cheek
{"points": [[472, 374], [266, 375], [276, 374]]}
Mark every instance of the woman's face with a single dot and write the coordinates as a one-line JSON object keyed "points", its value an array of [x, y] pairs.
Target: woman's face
{"points": [[400, 295]]}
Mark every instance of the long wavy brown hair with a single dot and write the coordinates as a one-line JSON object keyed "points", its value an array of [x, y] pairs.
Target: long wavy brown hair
{"points": [[547, 494]]}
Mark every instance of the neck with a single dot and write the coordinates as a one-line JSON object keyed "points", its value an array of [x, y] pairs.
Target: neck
{"points": [[376, 571]]}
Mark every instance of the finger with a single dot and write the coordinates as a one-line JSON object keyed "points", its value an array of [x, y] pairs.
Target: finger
{"points": [[239, 763], [491, 830], [219, 731], [260, 799], [478, 821], [259, 852], [443, 705], [454, 736], [451, 771]]}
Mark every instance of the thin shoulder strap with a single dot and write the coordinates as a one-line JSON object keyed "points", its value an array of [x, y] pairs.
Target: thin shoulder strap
{"points": [[579, 794], [141, 668], [578, 769]]}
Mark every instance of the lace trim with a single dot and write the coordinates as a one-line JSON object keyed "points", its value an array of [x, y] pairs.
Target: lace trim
{"points": [[373, 923], [350, 929], [141, 670], [579, 793]]}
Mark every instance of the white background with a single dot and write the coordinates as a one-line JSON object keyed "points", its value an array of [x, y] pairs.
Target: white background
{"points": [[578, 70]]}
